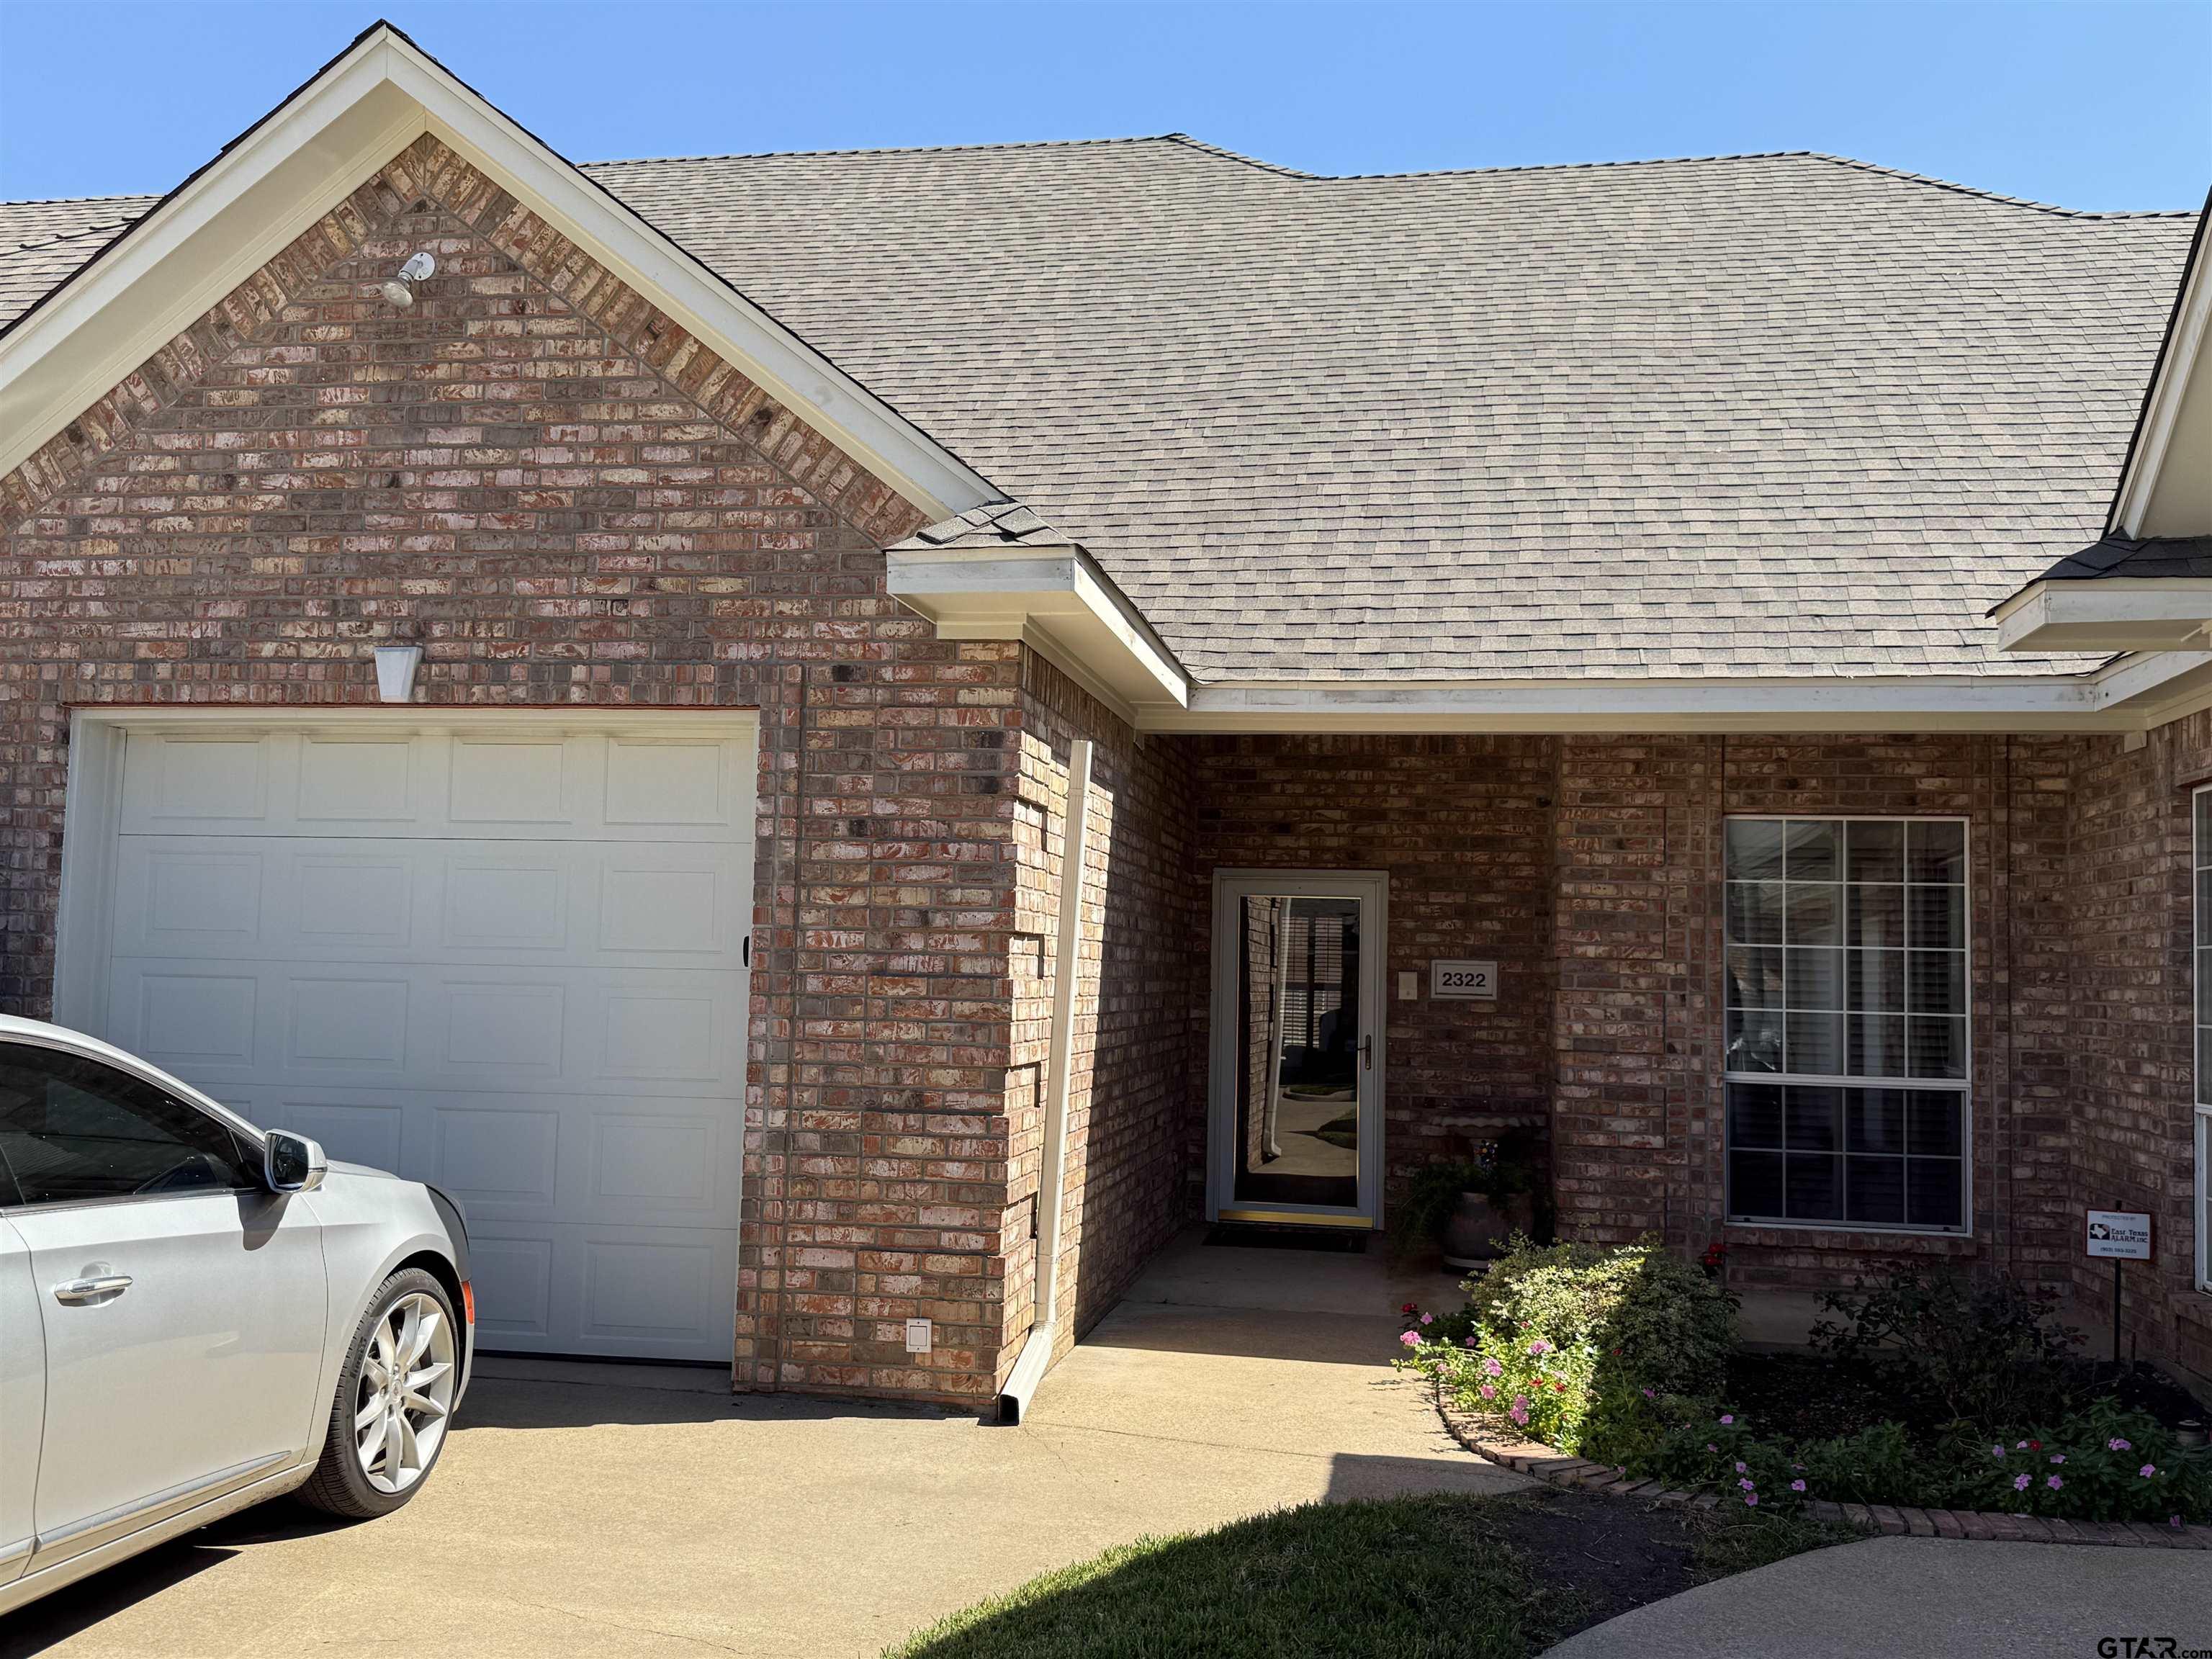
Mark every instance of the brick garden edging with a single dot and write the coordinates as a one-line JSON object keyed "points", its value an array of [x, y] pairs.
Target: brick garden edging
{"points": [[1548, 1464]]}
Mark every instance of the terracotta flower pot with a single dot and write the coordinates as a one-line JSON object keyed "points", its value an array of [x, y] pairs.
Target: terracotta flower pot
{"points": [[1478, 1229]]}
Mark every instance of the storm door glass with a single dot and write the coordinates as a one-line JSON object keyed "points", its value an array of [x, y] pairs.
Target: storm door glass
{"points": [[1299, 1051]]}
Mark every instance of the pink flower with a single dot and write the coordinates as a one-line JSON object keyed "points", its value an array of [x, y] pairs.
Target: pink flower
{"points": [[2147, 1470], [1467, 1341], [1539, 1347], [1488, 1391], [2172, 1520], [1748, 1485], [2118, 1444], [2058, 1457], [1751, 1499], [2019, 1445], [1651, 1394], [2054, 1481], [1520, 1412], [1739, 1469], [1711, 1447], [1411, 1338], [1428, 1319], [1996, 1451], [2019, 1483], [1493, 1368], [1797, 1486], [1727, 1417]]}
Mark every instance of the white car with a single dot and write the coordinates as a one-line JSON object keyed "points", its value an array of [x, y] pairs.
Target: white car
{"points": [[196, 1315]]}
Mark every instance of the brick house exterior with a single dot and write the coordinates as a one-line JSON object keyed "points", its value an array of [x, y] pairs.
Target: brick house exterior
{"points": [[571, 500]]}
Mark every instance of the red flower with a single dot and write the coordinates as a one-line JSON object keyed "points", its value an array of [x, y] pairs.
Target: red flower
{"points": [[1561, 1386], [2035, 1445]]}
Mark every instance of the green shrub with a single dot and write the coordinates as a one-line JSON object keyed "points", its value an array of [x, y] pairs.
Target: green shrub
{"points": [[1984, 1350], [1576, 1344], [1657, 1322]]}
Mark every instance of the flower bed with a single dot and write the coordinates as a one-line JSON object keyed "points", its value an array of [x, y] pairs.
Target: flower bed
{"points": [[1946, 1397]]}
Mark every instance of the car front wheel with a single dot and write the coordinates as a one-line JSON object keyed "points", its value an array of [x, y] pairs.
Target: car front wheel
{"points": [[394, 1396]]}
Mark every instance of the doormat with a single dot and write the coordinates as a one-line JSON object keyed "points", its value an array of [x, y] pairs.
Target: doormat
{"points": [[1341, 1240]]}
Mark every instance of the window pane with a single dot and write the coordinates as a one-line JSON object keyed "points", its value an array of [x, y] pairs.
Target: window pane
{"points": [[1938, 1127], [1876, 848], [1755, 976], [1815, 1187], [1875, 1190], [1755, 1183], [1815, 913], [1815, 1045], [1813, 1118], [73, 1128], [1755, 849], [1877, 915], [1875, 1118], [1815, 977], [2204, 1070], [1812, 851], [1754, 912], [1936, 852], [1754, 1040], [1877, 982], [1933, 1194], [1754, 1114], [1935, 1046], [1939, 918], [2204, 800], [2204, 981], [1877, 1045], [2203, 892], [1936, 982]]}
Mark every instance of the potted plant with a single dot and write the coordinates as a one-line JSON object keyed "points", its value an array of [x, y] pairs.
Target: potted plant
{"points": [[1471, 1207]]}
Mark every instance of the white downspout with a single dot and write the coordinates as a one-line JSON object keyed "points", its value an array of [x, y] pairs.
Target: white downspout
{"points": [[1067, 960]]}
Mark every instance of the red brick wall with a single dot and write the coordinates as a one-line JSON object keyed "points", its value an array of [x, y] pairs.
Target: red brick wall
{"points": [[2131, 1038], [1638, 1121], [568, 500], [1462, 826], [1131, 1088]]}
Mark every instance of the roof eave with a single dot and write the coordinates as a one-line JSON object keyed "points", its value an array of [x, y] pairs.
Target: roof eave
{"points": [[1054, 597], [272, 183], [2054, 616]]}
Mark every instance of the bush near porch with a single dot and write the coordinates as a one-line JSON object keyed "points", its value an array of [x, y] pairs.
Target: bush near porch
{"points": [[1932, 1391]]}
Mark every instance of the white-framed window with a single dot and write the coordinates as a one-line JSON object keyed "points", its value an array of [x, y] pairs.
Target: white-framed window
{"points": [[1847, 980], [2201, 937]]}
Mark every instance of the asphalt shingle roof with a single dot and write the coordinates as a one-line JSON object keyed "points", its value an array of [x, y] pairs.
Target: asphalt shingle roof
{"points": [[1780, 415], [2147, 557]]}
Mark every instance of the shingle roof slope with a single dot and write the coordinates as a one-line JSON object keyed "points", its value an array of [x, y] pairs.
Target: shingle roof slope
{"points": [[1779, 415]]}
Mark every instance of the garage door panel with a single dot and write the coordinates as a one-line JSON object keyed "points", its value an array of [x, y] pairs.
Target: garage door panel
{"points": [[510, 962]]}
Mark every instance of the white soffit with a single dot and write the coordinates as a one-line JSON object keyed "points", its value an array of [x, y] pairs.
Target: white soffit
{"points": [[1055, 598], [2112, 613], [273, 182], [2165, 483]]}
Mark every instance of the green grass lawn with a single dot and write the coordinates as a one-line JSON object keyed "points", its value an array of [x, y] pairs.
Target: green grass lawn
{"points": [[1411, 1577], [1417, 1577]]}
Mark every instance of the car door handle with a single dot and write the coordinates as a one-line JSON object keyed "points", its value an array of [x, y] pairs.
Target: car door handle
{"points": [[78, 1291]]}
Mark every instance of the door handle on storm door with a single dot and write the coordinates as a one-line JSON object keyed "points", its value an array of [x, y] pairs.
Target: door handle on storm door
{"points": [[77, 1292], [1367, 1052]]}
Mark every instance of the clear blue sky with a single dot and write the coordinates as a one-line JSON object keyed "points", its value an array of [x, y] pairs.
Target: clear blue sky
{"points": [[2090, 105]]}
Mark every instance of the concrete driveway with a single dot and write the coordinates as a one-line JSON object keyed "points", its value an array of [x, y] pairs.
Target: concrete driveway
{"points": [[634, 1510]]}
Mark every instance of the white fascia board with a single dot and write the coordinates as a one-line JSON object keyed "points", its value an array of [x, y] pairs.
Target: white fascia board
{"points": [[2108, 613], [1057, 600], [1930, 703], [354, 118], [2162, 404]]}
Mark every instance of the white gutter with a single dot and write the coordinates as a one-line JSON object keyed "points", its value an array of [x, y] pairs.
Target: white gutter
{"points": [[1067, 963]]}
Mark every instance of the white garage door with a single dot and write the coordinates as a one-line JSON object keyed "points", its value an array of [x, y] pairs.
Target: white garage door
{"points": [[509, 960]]}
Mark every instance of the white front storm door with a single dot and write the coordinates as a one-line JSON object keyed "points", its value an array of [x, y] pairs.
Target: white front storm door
{"points": [[1295, 1129]]}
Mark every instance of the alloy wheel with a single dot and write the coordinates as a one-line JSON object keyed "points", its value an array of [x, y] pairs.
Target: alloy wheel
{"points": [[406, 1391]]}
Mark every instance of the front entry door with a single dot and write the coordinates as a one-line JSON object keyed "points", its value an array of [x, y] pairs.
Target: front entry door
{"points": [[1296, 1122]]}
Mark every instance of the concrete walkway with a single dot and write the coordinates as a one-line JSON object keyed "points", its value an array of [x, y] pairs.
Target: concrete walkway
{"points": [[1924, 1598], [622, 1511]]}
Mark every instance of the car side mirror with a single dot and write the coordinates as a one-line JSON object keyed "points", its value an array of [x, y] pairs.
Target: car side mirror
{"points": [[292, 1163]]}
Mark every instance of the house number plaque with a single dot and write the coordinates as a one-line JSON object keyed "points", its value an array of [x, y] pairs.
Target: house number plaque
{"points": [[1464, 981]]}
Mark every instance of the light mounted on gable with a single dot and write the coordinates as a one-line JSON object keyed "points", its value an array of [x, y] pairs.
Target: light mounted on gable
{"points": [[400, 290]]}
